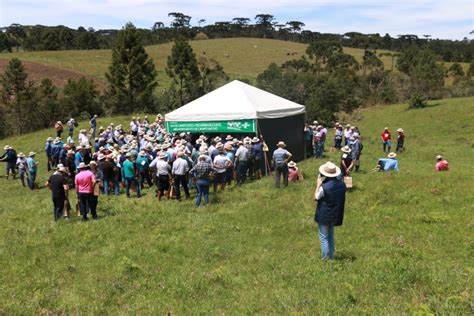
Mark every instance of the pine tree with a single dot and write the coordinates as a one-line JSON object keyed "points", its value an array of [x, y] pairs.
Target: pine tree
{"points": [[18, 97], [183, 69], [131, 76]]}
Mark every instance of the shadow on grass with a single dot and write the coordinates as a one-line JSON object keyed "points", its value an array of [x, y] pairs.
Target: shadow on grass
{"points": [[345, 256]]}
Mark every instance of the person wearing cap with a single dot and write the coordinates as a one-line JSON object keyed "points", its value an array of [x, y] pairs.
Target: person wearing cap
{"points": [[346, 161], [400, 140], [330, 195], [9, 156], [347, 134], [57, 183], [220, 165], [163, 170], [22, 166], [58, 126], [294, 173], [93, 125], [389, 163], [143, 163], [201, 172], [70, 126], [179, 171], [386, 138], [441, 164], [47, 150], [129, 173], [85, 182], [356, 150], [32, 165], [280, 160], [241, 159]]}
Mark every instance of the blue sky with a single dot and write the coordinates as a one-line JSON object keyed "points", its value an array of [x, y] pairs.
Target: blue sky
{"points": [[452, 19]]}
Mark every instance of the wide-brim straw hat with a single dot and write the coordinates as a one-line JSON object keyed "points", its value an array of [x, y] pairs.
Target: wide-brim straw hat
{"points": [[229, 137], [62, 169], [82, 165], [142, 153], [346, 149], [255, 140], [329, 170], [21, 155], [31, 154], [385, 128], [163, 156], [228, 146], [7, 147], [438, 157], [400, 130], [281, 144], [217, 139], [392, 155], [49, 139], [292, 164]]}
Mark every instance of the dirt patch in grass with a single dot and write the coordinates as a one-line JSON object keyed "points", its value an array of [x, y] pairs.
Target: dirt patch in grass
{"points": [[37, 72]]}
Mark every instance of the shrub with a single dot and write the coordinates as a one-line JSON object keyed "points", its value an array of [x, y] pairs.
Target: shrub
{"points": [[417, 101]]}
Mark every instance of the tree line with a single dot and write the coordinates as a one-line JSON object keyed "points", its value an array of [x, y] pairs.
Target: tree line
{"points": [[327, 82], [39, 37]]}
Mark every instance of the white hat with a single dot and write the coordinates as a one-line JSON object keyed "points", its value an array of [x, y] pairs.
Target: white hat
{"points": [[292, 164], [281, 143], [219, 145], [255, 140], [31, 154], [229, 137], [61, 169], [400, 130], [82, 165], [438, 157], [392, 155], [7, 147], [346, 149], [329, 170], [163, 155], [49, 139], [142, 153], [217, 139], [355, 135], [21, 155]]}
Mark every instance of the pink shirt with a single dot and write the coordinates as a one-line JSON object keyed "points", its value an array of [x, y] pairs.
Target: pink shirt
{"points": [[442, 166], [85, 182], [293, 175]]}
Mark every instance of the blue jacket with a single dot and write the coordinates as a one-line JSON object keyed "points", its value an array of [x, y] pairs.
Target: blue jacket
{"points": [[330, 208]]}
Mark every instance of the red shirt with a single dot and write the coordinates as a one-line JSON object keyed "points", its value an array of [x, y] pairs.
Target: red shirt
{"points": [[386, 136]]}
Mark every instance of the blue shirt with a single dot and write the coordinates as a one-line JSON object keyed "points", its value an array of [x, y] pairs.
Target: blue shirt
{"points": [[31, 163], [78, 159], [280, 155], [390, 164]]}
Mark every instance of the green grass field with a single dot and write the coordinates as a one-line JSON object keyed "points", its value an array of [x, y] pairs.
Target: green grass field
{"points": [[405, 246]]}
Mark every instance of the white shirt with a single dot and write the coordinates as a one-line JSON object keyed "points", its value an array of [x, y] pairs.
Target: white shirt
{"points": [[318, 195], [220, 163]]}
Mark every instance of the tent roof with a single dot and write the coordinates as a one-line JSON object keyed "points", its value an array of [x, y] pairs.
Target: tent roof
{"points": [[235, 101]]}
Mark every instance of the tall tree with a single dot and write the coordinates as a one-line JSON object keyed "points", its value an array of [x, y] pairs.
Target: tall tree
{"points": [[370, 61], [322, 51], [17, 34], [264, 22], [131, 76], [295, 27], [4, 43], [81, 96], [48, 105], [180, 20], [18, 97], [212, 74], [183, 69]]}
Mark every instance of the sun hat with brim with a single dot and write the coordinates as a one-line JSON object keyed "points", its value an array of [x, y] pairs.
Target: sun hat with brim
{"points": [[439, 157], [400, 130], [292, 164], [21, 155], [92, 163], [346, 149], [62, 170], [228, 146], [82, 165], [229, 137], [255, 140], [217, 139], [7, 147], [49, 139], [348, 125], [163, 155], [329, 170], [392, 155], [385, 128], [31, 154], [281, 143], [203, 149], [142, 153]]}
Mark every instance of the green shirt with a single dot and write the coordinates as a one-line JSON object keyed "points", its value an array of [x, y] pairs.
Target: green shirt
{"points": [[128, 168], [142, 163]]}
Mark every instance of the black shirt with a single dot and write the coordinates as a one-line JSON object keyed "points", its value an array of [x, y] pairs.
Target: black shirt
{"points": [[108, 169], [347, 158], [56, 183]]}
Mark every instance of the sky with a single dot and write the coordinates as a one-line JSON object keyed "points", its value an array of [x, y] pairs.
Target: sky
{"points": [[450, 19]]}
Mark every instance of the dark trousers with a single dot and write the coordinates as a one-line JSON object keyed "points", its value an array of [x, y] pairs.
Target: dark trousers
{"points": [[58, 204], [281, 170], [337, 142], [128, 183], [144, 175], [180, 180], [10, 167], [86, 203], [241, 172], [48, 159], [399, 146]]}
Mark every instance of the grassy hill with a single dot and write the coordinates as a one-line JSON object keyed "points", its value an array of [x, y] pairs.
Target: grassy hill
{"points": [[405, 246]]}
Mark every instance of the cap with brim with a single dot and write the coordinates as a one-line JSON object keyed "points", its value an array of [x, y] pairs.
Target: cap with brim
{"points": [[329, 170], [31, 154], [392, 155], [346, 149]]}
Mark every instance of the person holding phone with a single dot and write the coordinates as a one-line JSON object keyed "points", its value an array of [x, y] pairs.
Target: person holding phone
{"points": [[330, 195]]}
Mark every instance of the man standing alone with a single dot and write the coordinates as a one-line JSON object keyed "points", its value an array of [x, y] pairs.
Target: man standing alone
{"points": [[281, 156], [331, 194], [386, 139], [85, 181]]}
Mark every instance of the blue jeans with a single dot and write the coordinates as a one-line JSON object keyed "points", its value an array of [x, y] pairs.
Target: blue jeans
{"points": [[116, 186], [318, 149], [326, 237], [32, 179], [241, 172], [128, 183], [202, 186], [388, 144]]}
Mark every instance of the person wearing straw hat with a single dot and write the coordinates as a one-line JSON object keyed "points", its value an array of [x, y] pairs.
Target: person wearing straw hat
{"points": [[347, 134], [280, 160], [356, 150], [32, 165], [93, 125], [386, 137], [400, 140], [57, 183], [330, 195], [220, 164], [70, 126], [163, 170], [109, 173], [389, 163], [179, 171], [58, 126], [240, 164], [258, 160], [294, 173], [22, 167], [85, 182], [201, 172], [129, 174], [48, 151], [346, 161], [308, 138], [441, 164], [9, 156], [143, 163], [338, 133]]}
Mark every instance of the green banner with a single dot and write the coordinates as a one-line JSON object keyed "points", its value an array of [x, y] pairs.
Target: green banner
{"points": [[238, 126]]}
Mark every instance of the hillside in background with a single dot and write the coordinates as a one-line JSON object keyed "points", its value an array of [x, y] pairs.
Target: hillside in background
{"points": [[405, 246]]}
